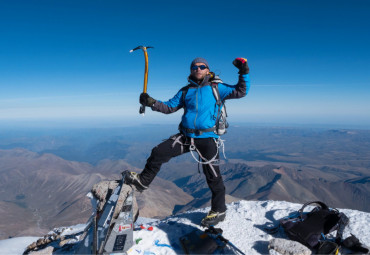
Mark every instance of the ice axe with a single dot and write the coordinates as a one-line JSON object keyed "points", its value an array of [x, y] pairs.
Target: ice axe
{"points": [[144, 48]]}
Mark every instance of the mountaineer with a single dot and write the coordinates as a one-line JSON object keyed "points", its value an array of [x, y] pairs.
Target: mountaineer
{"points": [[200, 128]]}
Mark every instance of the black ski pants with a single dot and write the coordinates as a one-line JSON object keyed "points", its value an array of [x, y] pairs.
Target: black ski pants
{"points": [[178, 145]]}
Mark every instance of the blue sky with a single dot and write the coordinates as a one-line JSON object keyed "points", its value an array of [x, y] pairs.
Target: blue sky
{"points": [[68, 61]]}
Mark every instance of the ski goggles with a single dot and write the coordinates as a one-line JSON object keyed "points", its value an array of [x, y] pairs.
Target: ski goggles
{"points": [[202, 67]]}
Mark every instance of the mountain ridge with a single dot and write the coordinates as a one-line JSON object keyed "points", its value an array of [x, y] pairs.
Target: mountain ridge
{"points": [[263, 163], [47, 187]]}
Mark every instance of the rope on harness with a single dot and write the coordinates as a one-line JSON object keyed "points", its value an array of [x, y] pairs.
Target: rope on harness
{"points": [[219, 144], [201, 160]]}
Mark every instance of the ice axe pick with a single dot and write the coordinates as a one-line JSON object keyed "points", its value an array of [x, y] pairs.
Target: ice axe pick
{"points": [[144, 48]]}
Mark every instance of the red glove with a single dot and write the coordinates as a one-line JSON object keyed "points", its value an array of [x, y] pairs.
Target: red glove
{"points": [[242, 65]]}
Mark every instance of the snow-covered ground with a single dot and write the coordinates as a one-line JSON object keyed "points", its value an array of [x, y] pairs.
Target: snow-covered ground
{"points": [[244, 227], [15, 245]]}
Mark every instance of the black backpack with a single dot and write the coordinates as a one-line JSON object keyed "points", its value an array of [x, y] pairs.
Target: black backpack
{"points": [[309, 228]]}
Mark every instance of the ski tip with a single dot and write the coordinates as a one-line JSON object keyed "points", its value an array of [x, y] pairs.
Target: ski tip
{"points": [[131, 51]]}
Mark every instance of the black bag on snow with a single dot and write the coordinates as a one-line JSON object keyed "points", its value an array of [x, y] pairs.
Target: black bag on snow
{"points": [[308, 228]]}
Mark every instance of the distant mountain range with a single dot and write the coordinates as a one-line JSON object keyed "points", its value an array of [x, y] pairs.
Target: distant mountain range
{"points": [[40, 191], [272, 182], [46, 175]]}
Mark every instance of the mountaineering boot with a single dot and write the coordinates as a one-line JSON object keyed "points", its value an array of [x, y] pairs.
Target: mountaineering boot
{"points": [[132, 178], [213, 218]]}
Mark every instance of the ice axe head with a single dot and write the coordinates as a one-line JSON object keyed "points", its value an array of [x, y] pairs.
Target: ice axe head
{"points": [[141, 47]]}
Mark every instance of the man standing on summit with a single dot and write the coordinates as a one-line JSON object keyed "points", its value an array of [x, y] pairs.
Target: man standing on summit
{"points": [[198, 129]]}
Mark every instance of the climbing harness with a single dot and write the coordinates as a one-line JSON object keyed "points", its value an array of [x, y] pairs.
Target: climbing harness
{"points": [[182, 140], [219, 144]]}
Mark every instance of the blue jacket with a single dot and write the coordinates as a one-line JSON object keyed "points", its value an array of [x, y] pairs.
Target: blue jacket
{"points": [[200, 108]]}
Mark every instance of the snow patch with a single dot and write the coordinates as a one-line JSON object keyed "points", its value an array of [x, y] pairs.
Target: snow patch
{"points": [[16, 245], [243, 226]]}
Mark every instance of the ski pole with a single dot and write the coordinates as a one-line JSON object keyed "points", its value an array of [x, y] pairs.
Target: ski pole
{"points": [[144, 48], [218, 233], [231, 244]]}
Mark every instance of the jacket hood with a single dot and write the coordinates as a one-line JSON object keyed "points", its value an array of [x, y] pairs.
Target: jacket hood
{"points": [[207, 80]]}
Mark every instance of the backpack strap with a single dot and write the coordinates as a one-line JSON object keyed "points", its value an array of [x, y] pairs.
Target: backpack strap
{"points": [[184, 92], [321, 204], [343, 222], [221, 104], [216, 93]]}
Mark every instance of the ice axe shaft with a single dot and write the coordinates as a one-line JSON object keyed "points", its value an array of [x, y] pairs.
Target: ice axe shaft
{"points": [[144, 48]]}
